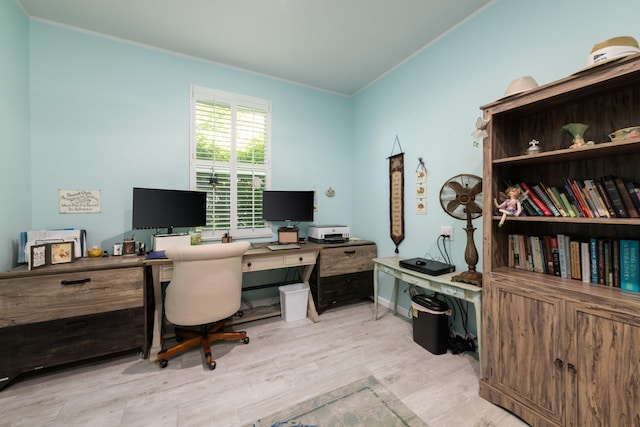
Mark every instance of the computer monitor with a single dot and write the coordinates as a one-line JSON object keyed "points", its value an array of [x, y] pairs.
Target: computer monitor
{"points": [[289, 206], [160, 208]]}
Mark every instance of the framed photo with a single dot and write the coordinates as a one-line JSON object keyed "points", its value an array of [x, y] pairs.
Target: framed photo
{"points": [[61, 253], [39, 256]]}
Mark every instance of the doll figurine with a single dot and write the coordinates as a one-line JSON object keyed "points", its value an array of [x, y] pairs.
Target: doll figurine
{"points": [[511, 206]]}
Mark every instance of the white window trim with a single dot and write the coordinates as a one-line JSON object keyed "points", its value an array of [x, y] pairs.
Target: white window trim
{"points": [[235, 99]]}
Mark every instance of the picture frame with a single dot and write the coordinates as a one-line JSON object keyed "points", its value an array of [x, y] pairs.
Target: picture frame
{"points": [[62, 252], [39, 256]]}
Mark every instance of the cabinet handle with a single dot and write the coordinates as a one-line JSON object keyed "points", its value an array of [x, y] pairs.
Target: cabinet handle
{"points": [[249, 264], [300, 259], [572, 368], [558, 363], [349, 252], [75, 282]]}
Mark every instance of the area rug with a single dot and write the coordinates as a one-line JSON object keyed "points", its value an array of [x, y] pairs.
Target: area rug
{"points": [[365, 402]]}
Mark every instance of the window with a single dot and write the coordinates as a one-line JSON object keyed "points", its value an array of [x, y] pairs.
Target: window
{"points": [[230, 160]]}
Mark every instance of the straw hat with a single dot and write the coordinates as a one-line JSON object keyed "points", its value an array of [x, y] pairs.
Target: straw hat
{"points": [[611, 49], [520, 84]]}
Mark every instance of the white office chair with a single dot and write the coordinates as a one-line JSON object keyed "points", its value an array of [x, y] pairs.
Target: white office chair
{"points": [[205, 290]]}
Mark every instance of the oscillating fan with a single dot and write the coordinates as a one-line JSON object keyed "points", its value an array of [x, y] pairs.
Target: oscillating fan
{"points": [[461, 197]]}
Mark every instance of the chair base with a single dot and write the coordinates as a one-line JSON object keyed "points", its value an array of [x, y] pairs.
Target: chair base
{"points": [[207, 335]]}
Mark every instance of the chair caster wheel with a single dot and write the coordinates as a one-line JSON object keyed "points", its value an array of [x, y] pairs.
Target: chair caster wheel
{"points": [[245, 340], [163, 363], [212, 365]]}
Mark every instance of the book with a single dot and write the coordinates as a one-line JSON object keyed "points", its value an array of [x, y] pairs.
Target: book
{"points": [[585, 262], [615, 263], [577, 194], [598, 205], [587, 199], [601, 276], [575, 206], [605, 198], [555, 199], [629, 265], [555, 255], [548, 256], [511, 254], [535, 199], [634, 192], [593, 251], [574, 257], [564, 201], [538, 263], [626, 198], [607, 262], [563, 256], [611, 189], [539, 190]]}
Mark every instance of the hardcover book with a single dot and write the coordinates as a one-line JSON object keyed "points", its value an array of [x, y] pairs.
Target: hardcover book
{"points": [[629, 265], [634, 193], [536, 200], [545, 199], [626, 198], [605, 198], [612, 191]]}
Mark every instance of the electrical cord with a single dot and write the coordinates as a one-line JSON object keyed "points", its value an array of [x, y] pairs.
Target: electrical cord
{"points": [[443, 250]]}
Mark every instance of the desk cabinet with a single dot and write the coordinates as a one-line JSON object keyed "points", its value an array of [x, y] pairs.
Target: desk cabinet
{"points": [[343, 273], [71, 312]]}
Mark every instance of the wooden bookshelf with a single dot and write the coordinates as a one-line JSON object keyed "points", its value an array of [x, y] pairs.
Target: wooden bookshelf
{"points": [[560, 351]]}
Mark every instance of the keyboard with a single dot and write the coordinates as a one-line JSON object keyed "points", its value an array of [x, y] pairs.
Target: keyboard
{"points": [[282, 247]]}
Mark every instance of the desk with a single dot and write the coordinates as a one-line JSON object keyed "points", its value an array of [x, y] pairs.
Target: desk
{"points": [[442, 284], [258, 259]]}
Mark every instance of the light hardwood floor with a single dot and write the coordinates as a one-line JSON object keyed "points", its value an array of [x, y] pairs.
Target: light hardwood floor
{"points": [[283, 364]]}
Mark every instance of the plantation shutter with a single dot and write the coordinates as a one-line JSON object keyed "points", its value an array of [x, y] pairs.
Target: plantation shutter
{"points": [[230, 142]]}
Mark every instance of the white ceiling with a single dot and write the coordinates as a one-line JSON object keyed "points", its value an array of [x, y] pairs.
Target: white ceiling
{"points": [[334, 45]]}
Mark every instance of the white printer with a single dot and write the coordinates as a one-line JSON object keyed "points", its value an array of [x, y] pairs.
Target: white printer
{"points": [[328, 233]]}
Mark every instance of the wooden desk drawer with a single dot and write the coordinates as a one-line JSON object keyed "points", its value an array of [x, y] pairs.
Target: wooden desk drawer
{"points": [[299, 259], [344, 288], [47, 297], [43, 344], [346, 259], [260, 263]]}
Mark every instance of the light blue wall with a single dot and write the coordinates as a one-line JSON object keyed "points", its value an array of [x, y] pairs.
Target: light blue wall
{"points": [[109, 115], [432, 102], [15, 165]]}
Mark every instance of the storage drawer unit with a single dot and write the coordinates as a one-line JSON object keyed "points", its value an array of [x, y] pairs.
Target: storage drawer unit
{"points": [[71, 312], [343, 274]]}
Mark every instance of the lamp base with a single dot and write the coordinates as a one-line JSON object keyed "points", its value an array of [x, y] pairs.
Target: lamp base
{"points": [[471, 277]]}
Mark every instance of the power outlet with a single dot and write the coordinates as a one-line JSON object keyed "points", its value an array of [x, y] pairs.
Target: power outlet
{"points": [[446, 230]]}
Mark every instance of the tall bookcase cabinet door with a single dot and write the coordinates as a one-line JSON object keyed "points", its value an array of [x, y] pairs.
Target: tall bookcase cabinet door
{"points": [[528, 364], [606, 350]]}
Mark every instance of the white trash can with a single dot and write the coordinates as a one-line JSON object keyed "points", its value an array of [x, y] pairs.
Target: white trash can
{"points": [[293, 301]]}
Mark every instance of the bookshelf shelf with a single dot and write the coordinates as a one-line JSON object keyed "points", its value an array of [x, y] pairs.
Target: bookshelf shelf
{"points": [[564, 220], [603, 149], [561, 350]]}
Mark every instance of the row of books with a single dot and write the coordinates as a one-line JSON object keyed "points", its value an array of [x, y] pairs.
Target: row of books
{"points": [[606, 197], [600, 261]]}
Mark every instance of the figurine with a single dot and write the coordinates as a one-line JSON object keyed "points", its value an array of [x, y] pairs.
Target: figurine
{"points": [[511, 206], [534, 148]]}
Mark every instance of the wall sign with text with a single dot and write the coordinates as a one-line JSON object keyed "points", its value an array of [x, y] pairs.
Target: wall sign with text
{"points": [[79, 201]]}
